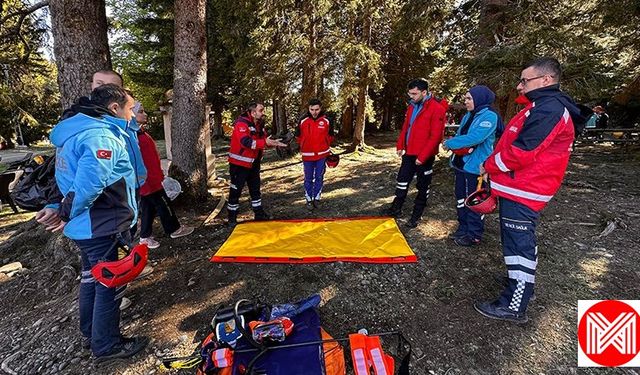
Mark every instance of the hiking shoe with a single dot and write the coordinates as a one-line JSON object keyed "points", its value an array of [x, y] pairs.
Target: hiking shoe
{"points": [[392, 211], [317, 204], [261, 215], [310, 206], [494, 311], [182, 231], [466, 241], [150, 242], [457, 234], [86, 343], [146, 271], [232, 220], [412, 223], [126, 302], [127, 348]]}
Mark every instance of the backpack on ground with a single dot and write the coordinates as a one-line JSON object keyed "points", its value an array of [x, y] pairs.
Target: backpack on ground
{"points": [[251, 338], [37, 187]]}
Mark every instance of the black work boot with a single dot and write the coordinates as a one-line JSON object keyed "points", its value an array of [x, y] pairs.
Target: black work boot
{"points": [[395, 210], [416, 216], [233, 218], [259, 214], [126, 349], [493, 310]]}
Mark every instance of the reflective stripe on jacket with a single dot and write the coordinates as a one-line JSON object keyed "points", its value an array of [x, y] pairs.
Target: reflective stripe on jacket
{"points": [[247, 142], [529, 161], [315, 137]]}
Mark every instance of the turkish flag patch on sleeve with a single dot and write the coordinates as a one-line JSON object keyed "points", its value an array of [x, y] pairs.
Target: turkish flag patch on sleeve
{"points": [[104, 154]]}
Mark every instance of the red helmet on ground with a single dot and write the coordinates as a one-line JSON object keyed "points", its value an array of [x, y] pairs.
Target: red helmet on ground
{"points": [[120, 272], [481, 201], [332, 160]]}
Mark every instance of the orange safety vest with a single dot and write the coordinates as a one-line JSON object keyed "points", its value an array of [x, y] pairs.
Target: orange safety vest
{"points": [[367, 352], [222, 357]]}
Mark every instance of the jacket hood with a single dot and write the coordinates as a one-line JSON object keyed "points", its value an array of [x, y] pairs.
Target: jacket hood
{"points": [[482, 96], [85, 106], [81, 122], [554, 91]]}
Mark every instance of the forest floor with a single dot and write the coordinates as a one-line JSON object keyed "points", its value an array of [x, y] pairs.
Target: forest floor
{"points": [[429, 301]]}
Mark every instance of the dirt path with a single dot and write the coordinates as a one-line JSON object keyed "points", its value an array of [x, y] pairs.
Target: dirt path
{"points": [[430, 301]]}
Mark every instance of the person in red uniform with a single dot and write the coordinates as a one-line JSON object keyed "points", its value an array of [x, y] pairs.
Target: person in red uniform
{"points": [[248, 141], [154, 200], [314, 134], [525, 170], [418, 144]]}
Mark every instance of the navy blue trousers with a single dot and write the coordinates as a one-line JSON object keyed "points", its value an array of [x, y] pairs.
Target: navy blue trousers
{"points": [[313, 179], [423, 174], [518, 234], [469, 223], [99, 305], [239, 177]]}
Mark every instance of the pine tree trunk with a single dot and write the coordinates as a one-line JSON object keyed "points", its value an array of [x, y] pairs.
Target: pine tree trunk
{"points": [[80, 45], [218, 129], [346, 128], [386, 114], [363, 91], [311, 67], [189, 125], [279, 118], [358, 132]]}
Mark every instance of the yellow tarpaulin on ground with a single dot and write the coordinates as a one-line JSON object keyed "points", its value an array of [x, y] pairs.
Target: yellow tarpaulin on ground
{"points": [[367, 240]]}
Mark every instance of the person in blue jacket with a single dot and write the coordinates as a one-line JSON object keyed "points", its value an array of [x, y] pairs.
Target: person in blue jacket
{"points": [[98, 182], [48, 216], [471, 145]]}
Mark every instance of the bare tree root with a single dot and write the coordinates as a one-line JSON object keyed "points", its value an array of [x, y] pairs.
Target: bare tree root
{"points": [[359, 149], [51, 255], [28, 232]]}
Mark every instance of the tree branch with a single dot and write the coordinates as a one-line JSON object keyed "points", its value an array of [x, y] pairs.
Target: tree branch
{"points": [[23, 13], [16, 29]]}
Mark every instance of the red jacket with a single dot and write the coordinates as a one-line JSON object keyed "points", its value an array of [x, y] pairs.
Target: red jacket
{"points": [[315, 137], [247, 141], [528, 163], [423, 137], [151, 160]]}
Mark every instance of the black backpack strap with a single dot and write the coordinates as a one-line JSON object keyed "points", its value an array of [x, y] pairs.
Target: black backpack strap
{"points": [[404, 346]]}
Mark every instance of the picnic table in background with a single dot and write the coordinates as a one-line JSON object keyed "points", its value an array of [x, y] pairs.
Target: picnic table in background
{"points": [[613, 135]]}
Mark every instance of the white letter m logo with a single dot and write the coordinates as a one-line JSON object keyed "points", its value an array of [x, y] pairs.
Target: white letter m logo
{"points": [[621, 333]]}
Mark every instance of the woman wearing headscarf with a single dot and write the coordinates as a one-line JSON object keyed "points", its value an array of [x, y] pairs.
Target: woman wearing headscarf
{"points": [[471, 145]]}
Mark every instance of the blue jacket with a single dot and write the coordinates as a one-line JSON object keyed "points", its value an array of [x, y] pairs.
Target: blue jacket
{"points": [[84, 105], [95, 175], [481, 136]]}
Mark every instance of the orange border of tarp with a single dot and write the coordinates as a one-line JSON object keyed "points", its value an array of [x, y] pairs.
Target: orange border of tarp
{"points": [[410, 257]]}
